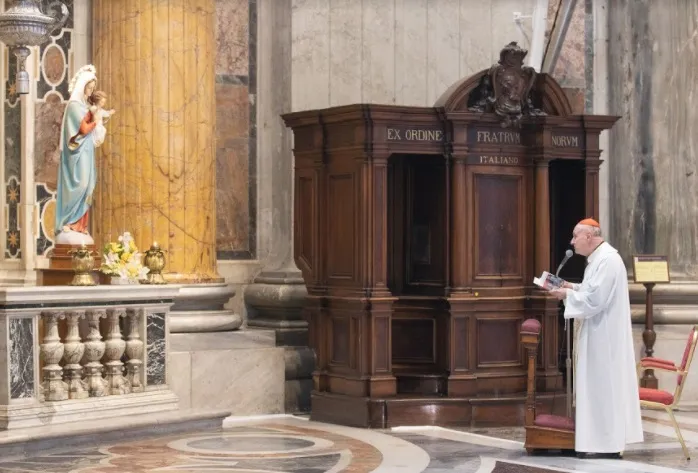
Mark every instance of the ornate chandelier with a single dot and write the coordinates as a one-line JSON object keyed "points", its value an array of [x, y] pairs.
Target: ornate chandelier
{"points": [[23, 25]]}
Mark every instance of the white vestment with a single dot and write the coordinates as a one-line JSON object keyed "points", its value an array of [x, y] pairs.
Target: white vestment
{"points": [[607, 398]]}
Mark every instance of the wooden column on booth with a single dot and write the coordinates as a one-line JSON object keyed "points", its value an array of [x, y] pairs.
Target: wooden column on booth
{"points": [[156, 169]]}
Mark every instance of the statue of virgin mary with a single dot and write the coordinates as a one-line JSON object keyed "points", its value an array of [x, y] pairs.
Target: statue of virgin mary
{"points": [[77, 171]]}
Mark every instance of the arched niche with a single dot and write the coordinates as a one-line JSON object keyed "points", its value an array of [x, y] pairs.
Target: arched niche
{"points": [[546, 94]]}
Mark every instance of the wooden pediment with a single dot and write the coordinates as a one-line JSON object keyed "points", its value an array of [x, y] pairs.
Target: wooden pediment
{"points": [[546, 93]]}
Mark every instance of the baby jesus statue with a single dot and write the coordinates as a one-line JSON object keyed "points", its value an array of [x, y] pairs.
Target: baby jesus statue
{"points": [[100, 116]]}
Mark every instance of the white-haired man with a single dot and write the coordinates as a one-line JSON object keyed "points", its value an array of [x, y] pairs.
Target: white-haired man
{"points": [[607, 414]]}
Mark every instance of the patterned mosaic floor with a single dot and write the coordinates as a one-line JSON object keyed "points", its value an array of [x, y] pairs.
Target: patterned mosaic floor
{"points": [[299, 446]]}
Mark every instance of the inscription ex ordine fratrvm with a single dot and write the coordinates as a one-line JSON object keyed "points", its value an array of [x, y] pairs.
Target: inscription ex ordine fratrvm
{"points": [[414, 134]]}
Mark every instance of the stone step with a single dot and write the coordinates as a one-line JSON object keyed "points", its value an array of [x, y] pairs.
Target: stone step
{"points": [[211, 341], [19, 443]]}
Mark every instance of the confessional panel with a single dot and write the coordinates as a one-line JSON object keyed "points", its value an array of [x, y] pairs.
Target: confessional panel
{"points": [[417, 224], [317, 337], [382, 341], [498, 343], [425, 238], [306, 218], [342, 228], [340, 331], [415, 340], [417, 335], [499, 230], [460, 346]]}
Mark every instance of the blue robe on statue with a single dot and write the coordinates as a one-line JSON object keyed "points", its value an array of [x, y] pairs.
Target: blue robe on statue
{"points": [[77, 171]]}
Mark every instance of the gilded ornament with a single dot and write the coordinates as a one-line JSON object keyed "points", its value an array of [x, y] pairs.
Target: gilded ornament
{"points": [[155, 261], [83, 263]]}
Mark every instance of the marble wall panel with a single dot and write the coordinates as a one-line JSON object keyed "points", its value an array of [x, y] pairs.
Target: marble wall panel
{"points": [[13, 231], [232, 33], [653, 69], [21, 358], [406, 52], [236, 30], [53, 77], [156, 354], [570, 68], [47, 155], [12, 129]]}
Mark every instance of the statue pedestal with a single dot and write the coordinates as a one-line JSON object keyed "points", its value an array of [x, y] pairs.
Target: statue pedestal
{"points": [[60, 271]]}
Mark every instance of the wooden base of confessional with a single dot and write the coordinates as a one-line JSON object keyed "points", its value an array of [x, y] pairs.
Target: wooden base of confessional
{"points": [[543, 431]]}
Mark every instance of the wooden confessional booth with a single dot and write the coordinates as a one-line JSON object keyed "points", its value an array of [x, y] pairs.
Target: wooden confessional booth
{"points": [[418, 232]]}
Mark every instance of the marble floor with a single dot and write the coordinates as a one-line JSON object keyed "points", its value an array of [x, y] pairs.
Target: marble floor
{"points": [[294, 444]]}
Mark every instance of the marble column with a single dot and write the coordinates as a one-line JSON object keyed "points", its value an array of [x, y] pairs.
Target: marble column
{"points": [[275, 298], [653, 192], [156, 169]]}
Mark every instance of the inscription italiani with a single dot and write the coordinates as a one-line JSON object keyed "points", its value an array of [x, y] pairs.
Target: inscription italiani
{"points": [[415, 134]]}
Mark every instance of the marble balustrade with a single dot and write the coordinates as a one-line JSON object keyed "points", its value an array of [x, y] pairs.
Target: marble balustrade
{"points": [[103, 360], [78, 353]]}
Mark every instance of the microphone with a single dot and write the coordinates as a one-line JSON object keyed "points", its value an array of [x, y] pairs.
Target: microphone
{"points": [[568, 255]]}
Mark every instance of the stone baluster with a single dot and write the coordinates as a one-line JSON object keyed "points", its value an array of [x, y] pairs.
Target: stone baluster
{"points": [[134, 350], [94, 351], [72, 354], [115, 347], [53, 387]]}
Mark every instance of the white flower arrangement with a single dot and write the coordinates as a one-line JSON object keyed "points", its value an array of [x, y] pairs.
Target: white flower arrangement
{"points": [[123, 260]]}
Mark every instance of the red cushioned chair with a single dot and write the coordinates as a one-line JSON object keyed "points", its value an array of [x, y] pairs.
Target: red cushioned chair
{"points": [[658, 399], [544, 431]]}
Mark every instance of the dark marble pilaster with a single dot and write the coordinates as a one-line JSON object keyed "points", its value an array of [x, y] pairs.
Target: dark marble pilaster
{"points": [[156, 355], [22, 384]]}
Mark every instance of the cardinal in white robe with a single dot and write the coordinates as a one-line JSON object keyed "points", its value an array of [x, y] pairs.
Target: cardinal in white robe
{"points": [[607, 416]]}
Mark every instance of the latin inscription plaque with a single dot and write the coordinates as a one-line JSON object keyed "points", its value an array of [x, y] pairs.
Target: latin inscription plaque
{"points": [[493, 136], [561, 139], [494, 160], [414, 134]]}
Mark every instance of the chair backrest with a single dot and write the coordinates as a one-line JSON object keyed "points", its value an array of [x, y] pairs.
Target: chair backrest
{"points": [[686, 360]]}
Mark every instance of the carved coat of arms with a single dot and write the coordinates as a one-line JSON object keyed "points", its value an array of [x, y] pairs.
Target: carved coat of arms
{"points": [[505, 90]]}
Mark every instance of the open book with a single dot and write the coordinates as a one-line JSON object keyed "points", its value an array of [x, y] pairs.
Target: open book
{"points": [[548, 281]]}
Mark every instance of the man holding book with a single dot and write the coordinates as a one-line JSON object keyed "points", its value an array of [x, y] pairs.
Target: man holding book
{"points": [[607, 414]]}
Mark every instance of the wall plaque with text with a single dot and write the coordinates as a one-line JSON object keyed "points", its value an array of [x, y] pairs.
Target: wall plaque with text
{"points": [[650, 269]]}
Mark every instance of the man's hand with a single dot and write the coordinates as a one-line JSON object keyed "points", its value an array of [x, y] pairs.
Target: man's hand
{"points": [[560, 294], [567, 285]]}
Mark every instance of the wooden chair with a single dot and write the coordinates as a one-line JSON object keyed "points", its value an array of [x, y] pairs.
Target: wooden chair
{"points": [[544, 431], [658, 399]]}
